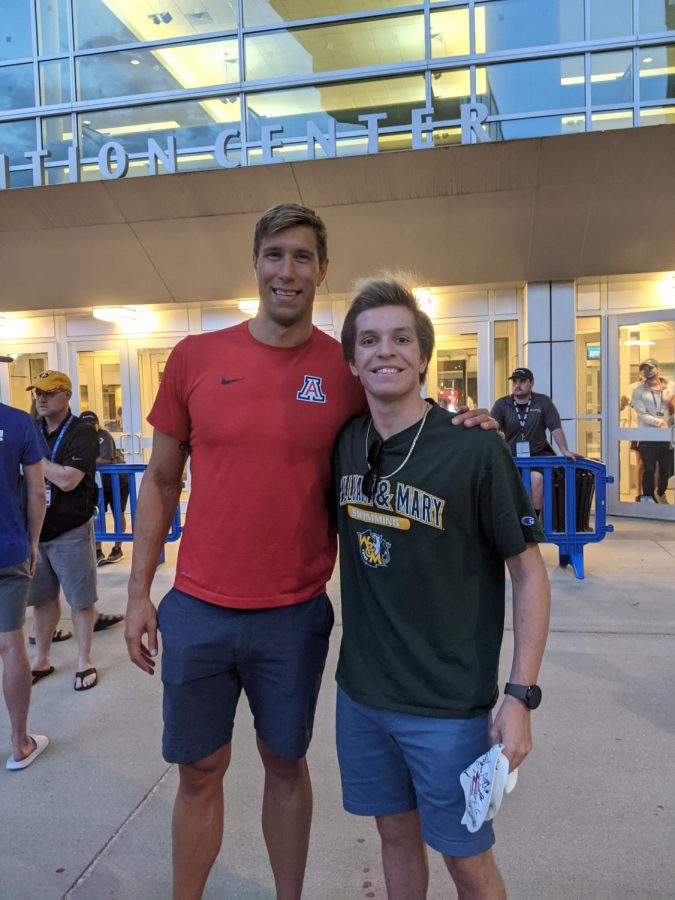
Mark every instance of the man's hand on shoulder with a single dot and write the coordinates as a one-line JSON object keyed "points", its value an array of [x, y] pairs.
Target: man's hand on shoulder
{"points": [[511, 727], [141, 619], [472, 417]]}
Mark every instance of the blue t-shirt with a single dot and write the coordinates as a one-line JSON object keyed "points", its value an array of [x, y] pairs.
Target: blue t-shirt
{"points": [[20, 445]]}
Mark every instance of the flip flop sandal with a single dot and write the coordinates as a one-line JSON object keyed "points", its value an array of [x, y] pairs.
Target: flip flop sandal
{"points": [[41, 743], [59, 635], [39, 674], [85, 673], [104, 621]]}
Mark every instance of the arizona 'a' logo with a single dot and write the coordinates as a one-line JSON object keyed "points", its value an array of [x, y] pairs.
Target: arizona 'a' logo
{"points": [[374, 549], [312, 391]]}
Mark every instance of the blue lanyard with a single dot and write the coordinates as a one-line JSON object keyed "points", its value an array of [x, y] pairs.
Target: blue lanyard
{"points": [[64, 428]]}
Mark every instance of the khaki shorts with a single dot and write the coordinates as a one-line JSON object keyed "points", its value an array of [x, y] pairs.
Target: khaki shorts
{"points": [[14, 591], [67, 562]]}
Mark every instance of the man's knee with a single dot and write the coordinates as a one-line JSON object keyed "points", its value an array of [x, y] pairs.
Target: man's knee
{"points": [[476, 875], [290, 770], [399, 829], [10, 641], [205, 774]]}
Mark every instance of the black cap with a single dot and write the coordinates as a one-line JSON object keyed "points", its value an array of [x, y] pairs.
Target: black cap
{"points": [[650, 363], [522, 373], [89, 416]]}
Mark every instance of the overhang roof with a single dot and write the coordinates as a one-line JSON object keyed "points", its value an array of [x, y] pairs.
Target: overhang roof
{"points": [[529, 210]]}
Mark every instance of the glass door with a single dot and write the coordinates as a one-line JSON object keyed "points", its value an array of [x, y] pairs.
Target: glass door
{"points": [[15, 377], [460, 372], [641, 417], [147, 359], [100, 374]]}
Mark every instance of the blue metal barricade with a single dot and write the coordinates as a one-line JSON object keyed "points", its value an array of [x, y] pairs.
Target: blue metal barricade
{"points": [[564, 521], [116, 472]]}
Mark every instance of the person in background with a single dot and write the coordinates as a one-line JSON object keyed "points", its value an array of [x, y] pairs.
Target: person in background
{"points": [[653, 401], [21, 450], [107, 454], [524, 416]]}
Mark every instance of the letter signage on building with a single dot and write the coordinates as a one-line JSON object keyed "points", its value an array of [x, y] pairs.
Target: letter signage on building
{"points": [[112, 161]]}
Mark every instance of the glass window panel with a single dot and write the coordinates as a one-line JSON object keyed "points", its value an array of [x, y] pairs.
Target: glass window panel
{"points": [[104, 23], [57, 136], [448, 91], [371, 42], [511, 24], [657, 73], [532, 85], [658, 115], [261, 12], [505, 355], [657, 15], [589, 438], [636, 343], [456, 382], [611, 18], [450, 33], [17, 138], [589, 366], [539, 126], [342, 103], [55, 82], [611, 120], [17, 89], [445, 137], [52, 22], [631, 477], [15, 36], [194, 124], [22, 373], [21, 179], [612, 78], [166, 69]]}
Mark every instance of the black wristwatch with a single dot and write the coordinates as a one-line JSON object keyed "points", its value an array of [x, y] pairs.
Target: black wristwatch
{"points": [[530, 694]]}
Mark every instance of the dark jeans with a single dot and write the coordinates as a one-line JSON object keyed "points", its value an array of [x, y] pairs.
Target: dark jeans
{"points": [[653, 452]]}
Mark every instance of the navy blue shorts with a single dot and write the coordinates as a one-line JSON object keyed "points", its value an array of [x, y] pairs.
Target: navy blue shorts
{"points": [[210, 652], [393, 762]]}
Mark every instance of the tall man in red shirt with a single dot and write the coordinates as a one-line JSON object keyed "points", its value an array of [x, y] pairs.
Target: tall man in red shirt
{"points": [[257, 407]]}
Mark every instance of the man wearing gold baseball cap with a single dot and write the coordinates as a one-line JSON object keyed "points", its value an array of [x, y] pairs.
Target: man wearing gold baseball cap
{"points": [[67, 558]]}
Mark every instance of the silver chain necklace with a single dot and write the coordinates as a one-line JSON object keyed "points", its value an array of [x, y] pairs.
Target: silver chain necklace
{"points": [[412, 446]]}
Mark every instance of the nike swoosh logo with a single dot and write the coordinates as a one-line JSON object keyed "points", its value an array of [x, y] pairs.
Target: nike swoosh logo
{"points": [[230, 380]]}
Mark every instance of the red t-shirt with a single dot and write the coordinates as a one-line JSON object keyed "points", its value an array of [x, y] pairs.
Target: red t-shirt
{"points": [[261, 422]]}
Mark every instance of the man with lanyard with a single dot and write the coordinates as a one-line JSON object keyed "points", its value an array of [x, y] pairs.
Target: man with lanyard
{"points": [[424, 535], [21, 449], [653, 402], [66, 557], [257, 407], [524, 416]]}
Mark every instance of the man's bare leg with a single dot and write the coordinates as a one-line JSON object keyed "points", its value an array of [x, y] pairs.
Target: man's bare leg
{"points": [[45, 621], [537, 482], [476, 877], [198, 822], [404, 856], [83, 625], [16, 683], [286, 820]]}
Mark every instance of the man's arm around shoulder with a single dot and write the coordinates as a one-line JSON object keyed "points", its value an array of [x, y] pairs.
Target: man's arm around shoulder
{"points": [[531, 610], [157, 501]]}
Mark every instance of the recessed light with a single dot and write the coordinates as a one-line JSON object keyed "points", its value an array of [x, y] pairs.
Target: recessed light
{"points": [[648, 59], [135, 62]]}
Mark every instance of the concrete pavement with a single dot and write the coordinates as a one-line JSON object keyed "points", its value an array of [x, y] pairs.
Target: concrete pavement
{"points": [[593, 815]]}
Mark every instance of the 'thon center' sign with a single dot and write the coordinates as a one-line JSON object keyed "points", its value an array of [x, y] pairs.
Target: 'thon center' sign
{"points": [[113, 159]]}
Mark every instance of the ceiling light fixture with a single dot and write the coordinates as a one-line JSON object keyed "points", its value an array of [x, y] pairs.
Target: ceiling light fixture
{"points": [[640, 343], [115, 313], [249, 307], [135, 62], [425, 298]]}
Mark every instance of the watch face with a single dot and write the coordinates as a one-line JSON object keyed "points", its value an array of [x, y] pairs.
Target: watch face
{"points": [[533, 696]]}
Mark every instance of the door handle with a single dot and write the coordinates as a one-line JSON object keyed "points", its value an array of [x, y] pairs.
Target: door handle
{"points": [[140, 443]]}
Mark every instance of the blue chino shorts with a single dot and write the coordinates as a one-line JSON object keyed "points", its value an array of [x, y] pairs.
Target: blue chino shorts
{"points": [[393, 762], [210, 653]]}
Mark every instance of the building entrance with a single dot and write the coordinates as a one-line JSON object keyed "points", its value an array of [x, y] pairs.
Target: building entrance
{"points": [[641, 419], [460, 372]]}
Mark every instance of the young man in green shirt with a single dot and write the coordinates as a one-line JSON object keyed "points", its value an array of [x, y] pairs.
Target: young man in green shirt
{"points": [[427, 516]]}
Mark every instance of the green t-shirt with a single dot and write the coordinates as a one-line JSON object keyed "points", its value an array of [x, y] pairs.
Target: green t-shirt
{"points": [[422, 566]]}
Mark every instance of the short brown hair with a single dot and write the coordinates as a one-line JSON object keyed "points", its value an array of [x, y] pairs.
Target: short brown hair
{"points": [[376, 292], [290, 215]]}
